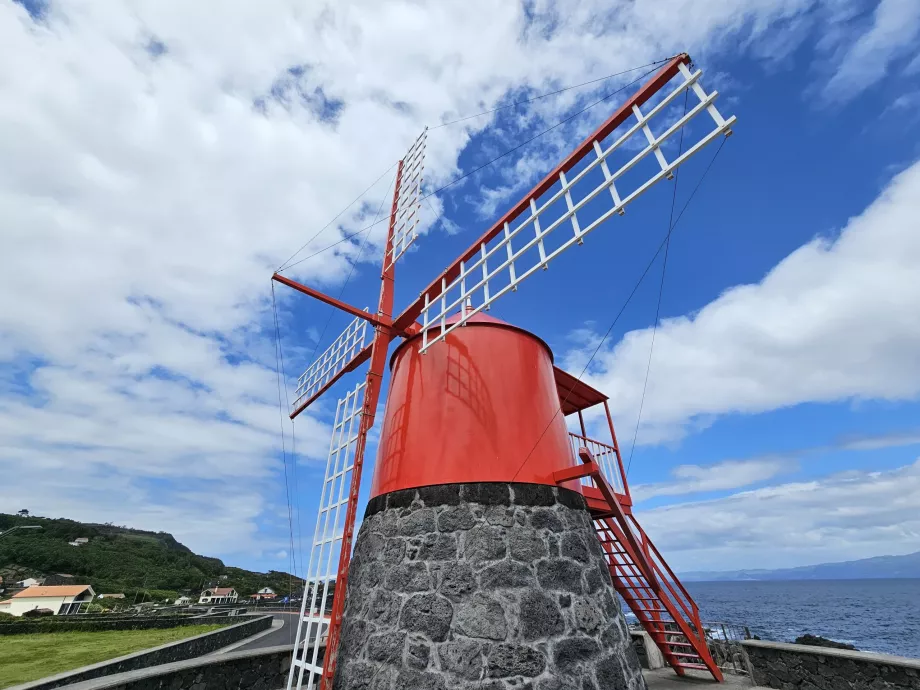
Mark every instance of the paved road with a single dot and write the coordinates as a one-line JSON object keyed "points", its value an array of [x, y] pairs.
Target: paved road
{"points": [[284, 630]]}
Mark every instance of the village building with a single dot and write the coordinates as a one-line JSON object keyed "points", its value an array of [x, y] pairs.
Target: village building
{"points": [[183, 601], [218, 595], [111, 596], [264, 594], [62, 600]]}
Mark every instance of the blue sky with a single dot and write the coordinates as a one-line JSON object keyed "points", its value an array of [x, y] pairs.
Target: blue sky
{"points": [[154, 190]]}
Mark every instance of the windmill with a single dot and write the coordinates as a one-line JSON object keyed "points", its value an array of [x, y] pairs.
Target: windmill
{"points": [[476, 407]]}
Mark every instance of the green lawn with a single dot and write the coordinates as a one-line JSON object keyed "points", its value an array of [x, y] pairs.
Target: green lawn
{"points": [[24, 658]]}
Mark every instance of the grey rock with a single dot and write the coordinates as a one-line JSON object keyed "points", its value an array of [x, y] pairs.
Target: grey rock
{"points": [[438, 547], [525, 545], [385, 647], [545, 518], [417, 522], [487, 494], [482, 617], [588, 617], [539, 616], [573, 651], [456, 518], [515, 660], [409, 577], [484, 543], [534, 495], [559, 574], [394, 551], [418, 654], [420, 680], [506, 574], [462, 658], [429, 614], [573, 546], [383, 607], [457, 582], [499, 516]]}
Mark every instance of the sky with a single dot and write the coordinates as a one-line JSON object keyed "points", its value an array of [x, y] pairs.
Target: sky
{"points": [[158, 160]]}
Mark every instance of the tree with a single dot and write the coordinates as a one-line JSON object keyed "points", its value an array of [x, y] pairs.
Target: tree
{"points": [[23, 513]]}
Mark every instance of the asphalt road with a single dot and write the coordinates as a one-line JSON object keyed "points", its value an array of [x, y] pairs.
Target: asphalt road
{"points": [[284, 630]]}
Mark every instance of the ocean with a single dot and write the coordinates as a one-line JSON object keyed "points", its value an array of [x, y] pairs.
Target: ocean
{"points": [[874, 615]]}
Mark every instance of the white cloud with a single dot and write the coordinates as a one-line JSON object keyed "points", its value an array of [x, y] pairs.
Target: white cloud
{"points": [[835, 320], [160, 158], [721, 476], [844, 516], [895, 27]]}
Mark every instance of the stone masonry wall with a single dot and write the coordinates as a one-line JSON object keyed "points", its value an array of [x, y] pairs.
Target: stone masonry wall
{"points": [[802, 667], [486, 587]]}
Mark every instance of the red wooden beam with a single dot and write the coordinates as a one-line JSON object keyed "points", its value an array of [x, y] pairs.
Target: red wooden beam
{"points": [[662, 77], [323, 297]]}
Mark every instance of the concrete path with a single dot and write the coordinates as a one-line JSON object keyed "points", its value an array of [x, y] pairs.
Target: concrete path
{"points": [[666, 679], [282, 632]]}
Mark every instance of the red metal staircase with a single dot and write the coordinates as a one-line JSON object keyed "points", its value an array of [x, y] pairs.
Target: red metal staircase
{"points": [[640, 575]]}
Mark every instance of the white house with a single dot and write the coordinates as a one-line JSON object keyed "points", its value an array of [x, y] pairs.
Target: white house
{"points": [[183, 601], [218, 595], [79, 541], [63, 600], [29, 582], [263, 594]]}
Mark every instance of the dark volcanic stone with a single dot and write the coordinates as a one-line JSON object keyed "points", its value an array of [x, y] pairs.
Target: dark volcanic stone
{"points": [[818, 641], [429, 614], [573, 546], [545, 518], [458, 582], [483, 617], [462, 658], [540, 616], [409, 577], [480, 587], [456, 518], [534, 495], [440, 495], [487, 494], [515, 660], [484, 543], [572, 651], [385, 647], [438, 547], [525, 545], [559, 573], [419, 680], [506, 574], [418, 654]]}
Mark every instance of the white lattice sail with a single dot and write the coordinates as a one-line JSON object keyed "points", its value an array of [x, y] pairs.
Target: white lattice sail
{"points": [[312, 626], [331, 362], [625, 165], [408, 199]]}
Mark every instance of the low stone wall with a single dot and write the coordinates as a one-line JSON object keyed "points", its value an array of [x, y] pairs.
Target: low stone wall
{"points": [[189, 648], [78, 624], [260, 669], [801, 667]]}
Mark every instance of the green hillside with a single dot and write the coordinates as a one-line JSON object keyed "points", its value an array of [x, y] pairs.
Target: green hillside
{"points": [[119, 559]]}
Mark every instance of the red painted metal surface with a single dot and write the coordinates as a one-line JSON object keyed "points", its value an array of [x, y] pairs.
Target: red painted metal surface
{"points": [[382, 337], [649, 89], [481, 407]]}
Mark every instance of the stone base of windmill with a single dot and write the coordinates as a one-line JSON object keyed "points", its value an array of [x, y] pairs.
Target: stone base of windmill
{"points": [[486, 587]]}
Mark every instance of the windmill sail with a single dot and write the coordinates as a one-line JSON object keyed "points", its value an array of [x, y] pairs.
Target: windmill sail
{"points": [[607, 173], [313, 625], [408, 200]]}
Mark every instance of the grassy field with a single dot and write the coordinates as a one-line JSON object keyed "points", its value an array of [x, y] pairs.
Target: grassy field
{"points": [[24, 658]]}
